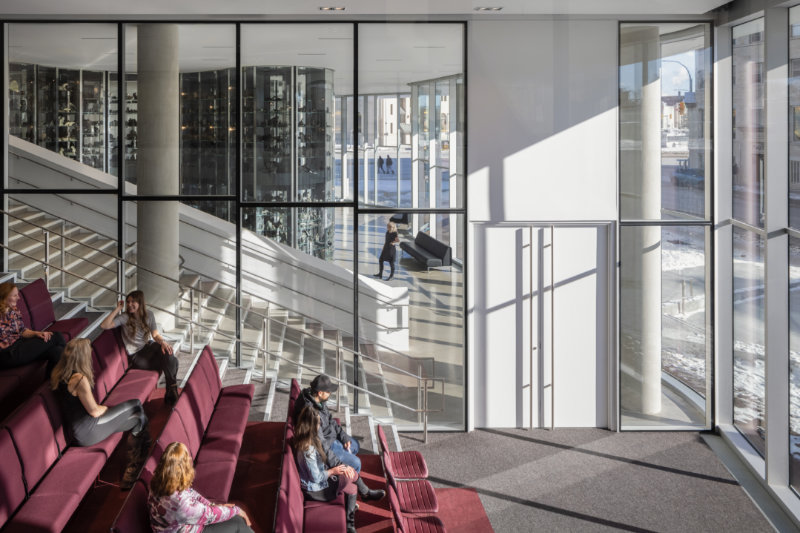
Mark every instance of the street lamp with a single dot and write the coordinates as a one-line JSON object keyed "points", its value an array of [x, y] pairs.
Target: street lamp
{"points": [[691, 89]]}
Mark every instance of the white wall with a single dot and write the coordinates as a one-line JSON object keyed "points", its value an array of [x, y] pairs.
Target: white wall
{"points": [[542, 144]]}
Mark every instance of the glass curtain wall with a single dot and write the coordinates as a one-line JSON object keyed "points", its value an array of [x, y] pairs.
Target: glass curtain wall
{"points": [[665, 197], [411, 162], [274, 156], [794, 247], [748, 84]]}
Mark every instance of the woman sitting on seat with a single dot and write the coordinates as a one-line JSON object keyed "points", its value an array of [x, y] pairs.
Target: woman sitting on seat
{"points": [[175, 507], [319, 482], [18, 344], [138, 328], [89, 423]]}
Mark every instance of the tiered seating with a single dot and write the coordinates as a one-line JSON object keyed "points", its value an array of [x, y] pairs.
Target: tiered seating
{"points": [[414, 495], [293, 513], [211, 421], [405, 465], [405, 523], [42, 478], [36, 307], [43, 318]]}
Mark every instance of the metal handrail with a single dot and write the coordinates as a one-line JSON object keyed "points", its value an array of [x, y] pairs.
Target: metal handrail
{"points": [[63, 235], [114, 256], [422, 381]]}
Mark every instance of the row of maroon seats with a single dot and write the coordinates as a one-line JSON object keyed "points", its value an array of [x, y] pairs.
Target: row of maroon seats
{"points": [[36, 307], [210, 420], [42, 478], [293, 514], [410, 493]]}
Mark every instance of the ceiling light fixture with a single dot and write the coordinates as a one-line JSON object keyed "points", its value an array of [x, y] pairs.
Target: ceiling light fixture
{"points": [[488, 8], [331, 8]]}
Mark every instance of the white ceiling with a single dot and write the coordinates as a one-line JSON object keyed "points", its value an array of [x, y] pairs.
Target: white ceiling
{"points": [[391, 56], [283, 8]]}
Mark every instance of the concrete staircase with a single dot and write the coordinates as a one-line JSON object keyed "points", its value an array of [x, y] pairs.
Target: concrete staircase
{"points": [[305, 347]]}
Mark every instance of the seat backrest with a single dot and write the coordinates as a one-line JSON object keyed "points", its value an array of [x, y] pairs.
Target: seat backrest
{"points": [[133, 517], [193, 426], [26, 314], [173, 432], [40, 305], [389, 467], [51, 404], [289, 513], [382, 440], [394, 503], [110, 358], [436, 247], [34, 439], [197, 402], [208, 373], [11, 485]]}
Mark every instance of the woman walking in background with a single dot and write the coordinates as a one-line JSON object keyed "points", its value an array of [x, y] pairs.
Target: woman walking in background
{"points": [[389, 252]]}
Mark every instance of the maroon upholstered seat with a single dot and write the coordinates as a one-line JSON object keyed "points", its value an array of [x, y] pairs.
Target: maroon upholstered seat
{"points": [[405, 465], [133, 516], [293, 514], [414, 495], [412, 523], [42, 318]]}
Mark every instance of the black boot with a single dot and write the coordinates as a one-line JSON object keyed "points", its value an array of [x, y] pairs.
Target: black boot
{"points": [[368, 494], [171, 396], [350, 506]]}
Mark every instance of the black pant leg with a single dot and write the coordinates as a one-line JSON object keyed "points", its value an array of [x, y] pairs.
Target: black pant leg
{"points": [[27, 350], [151, 358]]}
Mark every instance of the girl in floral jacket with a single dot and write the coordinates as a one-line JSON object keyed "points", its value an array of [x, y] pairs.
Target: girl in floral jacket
{"points": [[175, 507]]}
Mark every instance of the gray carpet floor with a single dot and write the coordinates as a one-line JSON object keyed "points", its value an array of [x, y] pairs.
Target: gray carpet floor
{"points": [[591, 480]]}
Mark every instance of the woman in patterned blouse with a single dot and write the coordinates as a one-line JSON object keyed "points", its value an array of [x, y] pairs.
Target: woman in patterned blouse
{"points": [[19, 345], [175, 507]]}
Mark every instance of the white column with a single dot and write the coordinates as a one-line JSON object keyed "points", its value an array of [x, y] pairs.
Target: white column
{"points": [[641, 304], [776, 261], [158, 160]]}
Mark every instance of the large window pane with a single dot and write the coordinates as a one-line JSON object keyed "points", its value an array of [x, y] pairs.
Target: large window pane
{"points": [[665, 347], [178, 123], [61, 99], [748, 81], [748, 336], [794, 117], [295, 112], [794, 361], [411, 143], [665, 121], [412, 323]]}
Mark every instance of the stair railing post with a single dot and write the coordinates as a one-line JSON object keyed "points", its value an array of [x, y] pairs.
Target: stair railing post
{"points": [[425, 409], [63, 250], [265, 330], [46, 258], [191, 320], [120, 279], [338, 363]]}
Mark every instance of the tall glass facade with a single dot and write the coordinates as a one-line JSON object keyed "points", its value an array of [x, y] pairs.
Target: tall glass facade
{"points": [[246, 154], [665, 184]]}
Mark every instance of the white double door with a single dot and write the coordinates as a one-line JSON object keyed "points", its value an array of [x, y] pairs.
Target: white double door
{"points": [[546, 335]]}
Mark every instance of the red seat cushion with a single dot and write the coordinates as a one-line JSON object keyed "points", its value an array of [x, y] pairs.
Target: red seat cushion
{"points": [[70, 328], [214, 479], [134, 385]]}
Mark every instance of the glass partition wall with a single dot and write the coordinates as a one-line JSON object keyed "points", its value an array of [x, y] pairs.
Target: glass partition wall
{"points": [[242, 160], [665, 218]]}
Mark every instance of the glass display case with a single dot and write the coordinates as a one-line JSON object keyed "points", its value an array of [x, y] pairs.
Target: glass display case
{"points": [[21, 101], [68, 114], [93, 119], [46, 106]]}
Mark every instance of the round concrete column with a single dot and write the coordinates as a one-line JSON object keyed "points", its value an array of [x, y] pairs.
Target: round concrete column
{"points": [[640, 183], [158, 161]]}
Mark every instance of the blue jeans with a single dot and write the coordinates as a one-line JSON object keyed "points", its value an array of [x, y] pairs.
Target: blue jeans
{"points": [[347, 457]]}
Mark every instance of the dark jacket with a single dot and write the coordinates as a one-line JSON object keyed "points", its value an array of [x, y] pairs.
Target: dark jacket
{"points": [[329, 429]]}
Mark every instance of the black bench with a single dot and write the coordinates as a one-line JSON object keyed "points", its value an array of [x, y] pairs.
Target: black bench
{"points": [[428, 251]]}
